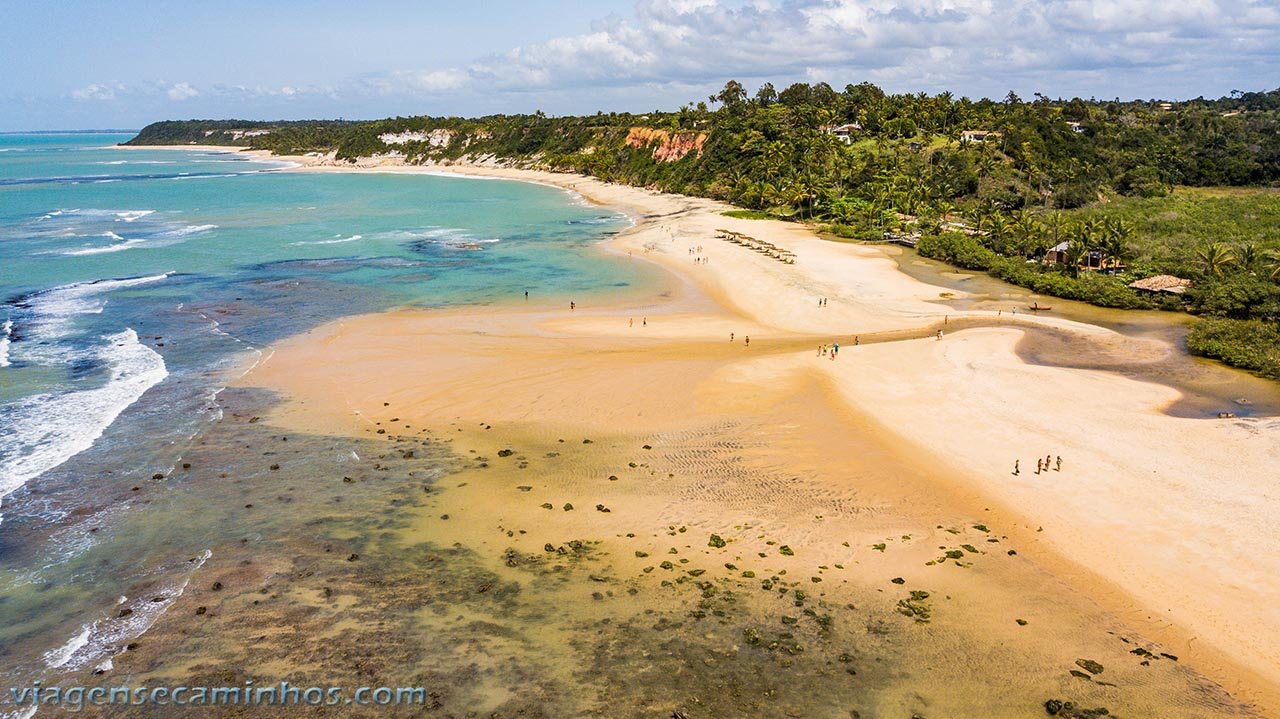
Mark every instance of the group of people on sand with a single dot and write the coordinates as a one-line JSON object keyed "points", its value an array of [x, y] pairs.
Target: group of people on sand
{"points": [[746, 340], [644, 322], [829, 350], [822, 302], [1042, 465]]}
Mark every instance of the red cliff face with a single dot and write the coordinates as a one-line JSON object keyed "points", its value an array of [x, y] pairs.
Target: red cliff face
{"points": [[667, 147]]}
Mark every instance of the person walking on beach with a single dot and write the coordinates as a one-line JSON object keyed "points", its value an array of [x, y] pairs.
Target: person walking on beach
{"points": [[644, 321], [1047, 459], [1059, 467], [1039, 465], [730, 336], [855, 340], [1016, 469], [746, 340], [631, 322], [526, 294], [573, 305], [836, 348], [939, 334]]}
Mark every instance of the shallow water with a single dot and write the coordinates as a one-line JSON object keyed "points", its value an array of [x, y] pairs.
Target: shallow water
{"points": [[1208, 387], [134, 284], [428, 558]]}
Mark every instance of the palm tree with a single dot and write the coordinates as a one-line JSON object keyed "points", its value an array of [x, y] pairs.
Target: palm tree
{"points": [[1030, 233], [944, 209], [1273, 264], [1114, 245], [1215, 257], [1077, 254], [998, 228], [1248, 255]]}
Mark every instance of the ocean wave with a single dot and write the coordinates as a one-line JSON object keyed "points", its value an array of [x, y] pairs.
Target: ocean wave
{"points": [[59, 213], [127, 244], [6, 332], [187, 230], [338, 241], [146, 228], [47, 315], [45, 430], [55, 658], [134, 177], [94, 643], [447, 237]]}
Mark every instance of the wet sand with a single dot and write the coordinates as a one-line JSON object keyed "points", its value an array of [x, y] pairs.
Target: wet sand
{"points": [[891, 462]]}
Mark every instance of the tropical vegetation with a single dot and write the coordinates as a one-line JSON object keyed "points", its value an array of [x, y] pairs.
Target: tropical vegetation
{"points": [[1075, 198]]}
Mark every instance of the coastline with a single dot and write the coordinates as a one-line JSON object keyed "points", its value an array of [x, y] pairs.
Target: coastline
{"points": [[1138, 530]]}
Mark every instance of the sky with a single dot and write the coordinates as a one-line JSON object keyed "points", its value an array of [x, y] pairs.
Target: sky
{"points": [[78, 64]]}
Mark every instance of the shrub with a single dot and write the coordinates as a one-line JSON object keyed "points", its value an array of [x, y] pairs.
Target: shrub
{"points": [[1249, 344]]}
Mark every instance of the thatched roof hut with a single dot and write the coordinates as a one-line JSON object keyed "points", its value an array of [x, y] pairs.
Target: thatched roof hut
{"points": [[1162, 283]]}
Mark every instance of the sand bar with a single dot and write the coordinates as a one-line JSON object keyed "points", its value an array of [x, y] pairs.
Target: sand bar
{"points": [[1167, 522]]}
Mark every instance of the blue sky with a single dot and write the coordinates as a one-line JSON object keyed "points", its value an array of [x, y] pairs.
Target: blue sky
{"points": [[75, 64]]}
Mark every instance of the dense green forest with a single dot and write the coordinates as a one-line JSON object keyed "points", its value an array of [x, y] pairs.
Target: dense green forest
{"points": [[983, 184]]}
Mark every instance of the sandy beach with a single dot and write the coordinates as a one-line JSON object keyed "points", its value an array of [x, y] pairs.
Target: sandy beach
{"points": [[1156, 532]]}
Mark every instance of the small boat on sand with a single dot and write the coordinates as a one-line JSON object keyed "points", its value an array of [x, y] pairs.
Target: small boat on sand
{"points": [[1037, 307]]}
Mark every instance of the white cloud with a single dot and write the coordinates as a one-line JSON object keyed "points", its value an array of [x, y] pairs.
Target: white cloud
{"points": [[958, 43], [670, 51], [96, 92], [182, 91]]}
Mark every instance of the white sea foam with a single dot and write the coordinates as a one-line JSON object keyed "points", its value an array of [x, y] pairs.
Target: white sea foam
{"points": [[55, 658], [127, 244], [133, 215], [337, 241], [6, 331], [53, 310], [45, 430], [187, 230], [25, 712], [96, 642]]}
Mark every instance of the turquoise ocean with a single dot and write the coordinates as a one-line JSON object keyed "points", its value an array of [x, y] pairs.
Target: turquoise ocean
{"points": [[135, 283]]}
